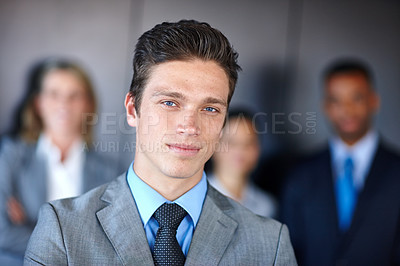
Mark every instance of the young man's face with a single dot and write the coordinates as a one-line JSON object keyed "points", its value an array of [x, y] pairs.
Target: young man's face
{"points": [[350, 104], [181, 117]]}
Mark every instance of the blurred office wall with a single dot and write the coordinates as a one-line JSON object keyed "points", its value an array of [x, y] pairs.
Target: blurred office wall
{"points": [[283, 47]]}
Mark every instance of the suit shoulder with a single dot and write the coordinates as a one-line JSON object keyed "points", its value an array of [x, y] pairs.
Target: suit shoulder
{"points": [[246, 216], [390, 154], [268, 239], [306, 166], [16, 148], [87, 203], [314, 158]]}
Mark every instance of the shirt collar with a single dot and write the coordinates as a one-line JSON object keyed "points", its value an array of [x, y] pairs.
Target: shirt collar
{"points": [[148, 200], [361, 152], [52, 153], [365, 146]]}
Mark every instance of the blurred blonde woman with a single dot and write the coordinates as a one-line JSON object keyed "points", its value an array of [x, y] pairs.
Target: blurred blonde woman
{"points": [[48, 156]]}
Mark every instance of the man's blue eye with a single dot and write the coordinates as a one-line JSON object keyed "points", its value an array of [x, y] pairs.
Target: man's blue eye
{"points": [[169, 103], [210, 109]]}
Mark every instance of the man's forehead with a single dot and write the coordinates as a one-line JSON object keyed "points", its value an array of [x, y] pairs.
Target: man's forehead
{"points": [[177, 79], [348, 80], [349, 76]]}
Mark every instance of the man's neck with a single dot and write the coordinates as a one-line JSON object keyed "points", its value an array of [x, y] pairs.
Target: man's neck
{"points": [[352, 140], [169, 187]]}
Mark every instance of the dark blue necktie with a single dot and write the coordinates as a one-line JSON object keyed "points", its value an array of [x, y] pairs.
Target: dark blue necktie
{"points": [[346, 195], [166, 247]]}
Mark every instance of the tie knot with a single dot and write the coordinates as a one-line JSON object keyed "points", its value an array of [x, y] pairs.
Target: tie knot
{"points": [[169, 215], [348, 164]]}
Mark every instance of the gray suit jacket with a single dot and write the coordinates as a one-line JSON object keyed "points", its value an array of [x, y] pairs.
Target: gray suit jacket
{"points": [[103, 227], [23, 175]]}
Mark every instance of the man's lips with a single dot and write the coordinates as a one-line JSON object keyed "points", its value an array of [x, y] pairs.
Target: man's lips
{"points": [[184, 148], [349, 123]]}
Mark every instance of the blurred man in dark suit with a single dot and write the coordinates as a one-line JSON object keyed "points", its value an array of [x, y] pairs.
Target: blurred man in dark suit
{"points": [[342, 205]]}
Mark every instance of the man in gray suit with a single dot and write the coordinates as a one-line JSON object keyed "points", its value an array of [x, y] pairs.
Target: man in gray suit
{"points": [[184, 77]]}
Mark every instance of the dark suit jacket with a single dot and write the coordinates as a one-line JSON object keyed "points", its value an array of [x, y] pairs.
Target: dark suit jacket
{"points": [[23, 175], [103, 227], [309, 209]]}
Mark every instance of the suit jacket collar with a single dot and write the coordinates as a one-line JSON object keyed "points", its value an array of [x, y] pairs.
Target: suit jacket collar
{"points": [[372, 183], [214, 231], [320, 204], [90, 171], [33, 180], [122, 225], [326, 202]]}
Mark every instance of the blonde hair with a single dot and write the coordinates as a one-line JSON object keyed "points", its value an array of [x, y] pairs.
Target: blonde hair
{"points": [[31, 124]]}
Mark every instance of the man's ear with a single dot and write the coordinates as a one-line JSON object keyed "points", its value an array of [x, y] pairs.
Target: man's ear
{"points": [[131, 115]]}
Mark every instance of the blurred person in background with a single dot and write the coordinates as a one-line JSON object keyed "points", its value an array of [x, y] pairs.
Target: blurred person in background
{"points": [[342, 205], [235, 161], [47, 154]]}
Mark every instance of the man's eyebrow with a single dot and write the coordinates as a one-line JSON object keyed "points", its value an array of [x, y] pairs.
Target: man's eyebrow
{"points": [[171, 94], [213, 100], [178, 95]]}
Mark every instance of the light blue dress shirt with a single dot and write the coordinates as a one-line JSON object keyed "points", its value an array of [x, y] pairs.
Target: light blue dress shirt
{"points": [[362, 153], [148, 200]]}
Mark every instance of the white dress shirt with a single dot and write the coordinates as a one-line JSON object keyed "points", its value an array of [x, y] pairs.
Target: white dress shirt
{"points": [[362, 153], [64, 179]]}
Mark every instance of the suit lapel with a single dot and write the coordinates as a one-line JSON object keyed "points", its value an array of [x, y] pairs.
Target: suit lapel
{"points": [[90, 172], [213, 232], [33, 182], [321, 202], [320, 207], [122, 225], [371, 185]]}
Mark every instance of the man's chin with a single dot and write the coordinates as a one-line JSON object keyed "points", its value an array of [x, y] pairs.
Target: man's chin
{"points": [[181, 173], [351, 135]]}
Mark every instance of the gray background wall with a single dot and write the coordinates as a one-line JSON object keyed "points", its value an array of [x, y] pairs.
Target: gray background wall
{"points": [[283, 46]]}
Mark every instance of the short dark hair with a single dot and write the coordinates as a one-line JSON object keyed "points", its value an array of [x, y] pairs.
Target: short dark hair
{"points": [[349, 66], [183, 40]]}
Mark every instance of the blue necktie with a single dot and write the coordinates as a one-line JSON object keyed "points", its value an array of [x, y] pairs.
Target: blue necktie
{"points": [[346, 195]]}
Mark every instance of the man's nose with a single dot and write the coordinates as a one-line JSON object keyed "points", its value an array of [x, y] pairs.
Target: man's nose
{"points": [[189, 125], [348, 108]]}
